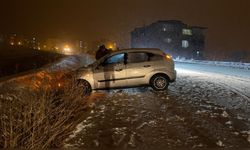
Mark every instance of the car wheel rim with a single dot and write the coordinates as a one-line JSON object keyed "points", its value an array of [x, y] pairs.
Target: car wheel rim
{"points": [[160, 83], [85, 88]]}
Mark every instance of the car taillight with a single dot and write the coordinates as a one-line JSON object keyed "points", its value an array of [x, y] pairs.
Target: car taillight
{"points": [[167, 57]]}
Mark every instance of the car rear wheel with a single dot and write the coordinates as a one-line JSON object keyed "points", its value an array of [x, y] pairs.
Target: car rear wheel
{"points": [[159, 82], [85, 86]]}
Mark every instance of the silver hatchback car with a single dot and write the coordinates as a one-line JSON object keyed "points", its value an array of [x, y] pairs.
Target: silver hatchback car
{"points": [[129, 68]]}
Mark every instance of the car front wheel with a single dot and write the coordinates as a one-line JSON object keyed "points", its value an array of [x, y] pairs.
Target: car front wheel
{"points": [[159, 82], [85, 87]]}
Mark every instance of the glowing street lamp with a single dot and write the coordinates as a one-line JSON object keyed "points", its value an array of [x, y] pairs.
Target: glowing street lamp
{"points": [[67, 48], [112, 46]]}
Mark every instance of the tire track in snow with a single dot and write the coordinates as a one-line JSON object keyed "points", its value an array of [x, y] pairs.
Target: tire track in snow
{"points": [[237, 91]]}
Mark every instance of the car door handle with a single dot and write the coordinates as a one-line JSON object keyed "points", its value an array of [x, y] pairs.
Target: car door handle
{"points": [[118, 70], [147, 66]]}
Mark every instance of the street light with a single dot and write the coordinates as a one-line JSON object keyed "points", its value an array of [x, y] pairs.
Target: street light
{"points": [[112, 46], [67, 49]]}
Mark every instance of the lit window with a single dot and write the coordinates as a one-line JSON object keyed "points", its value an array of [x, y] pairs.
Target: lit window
{"points": [[185, 44], [167, 40], [81, 44], [187, 32]]}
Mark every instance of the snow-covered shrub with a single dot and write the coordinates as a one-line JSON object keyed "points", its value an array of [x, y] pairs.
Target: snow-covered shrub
{"points": [[39, 119]]}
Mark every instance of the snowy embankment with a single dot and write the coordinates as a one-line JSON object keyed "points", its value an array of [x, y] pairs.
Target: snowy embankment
{"points": [[217, 63], [71, 63], [66, 64]]}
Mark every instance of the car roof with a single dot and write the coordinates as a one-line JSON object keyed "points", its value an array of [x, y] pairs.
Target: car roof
{"points": [[147, 50], [132, 50]]}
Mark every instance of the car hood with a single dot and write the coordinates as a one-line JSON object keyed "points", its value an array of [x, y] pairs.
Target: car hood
{"points": [[83, 69]]}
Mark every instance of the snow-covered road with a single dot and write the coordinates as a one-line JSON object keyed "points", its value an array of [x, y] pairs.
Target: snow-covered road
{"points": [[206, 107], [231, 79]]}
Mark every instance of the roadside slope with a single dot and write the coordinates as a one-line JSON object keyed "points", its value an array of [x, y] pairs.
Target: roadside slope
{"points": [[14, 60]]}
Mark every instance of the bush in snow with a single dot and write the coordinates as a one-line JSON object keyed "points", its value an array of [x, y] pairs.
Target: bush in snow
{"points": [[38, 119]]}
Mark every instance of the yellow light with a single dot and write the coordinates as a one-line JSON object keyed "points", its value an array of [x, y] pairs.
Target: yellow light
{"points": [[19, 43], [56, 48], [12, 43], [168, 57], [67, 48], [110, 47]]}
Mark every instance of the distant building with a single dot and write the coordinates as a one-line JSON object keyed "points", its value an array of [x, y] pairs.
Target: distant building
{"points": [[59, 45], [171, 36]]}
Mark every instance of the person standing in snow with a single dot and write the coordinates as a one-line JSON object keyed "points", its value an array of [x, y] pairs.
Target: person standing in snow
{"points": [[108, 70], [102, 51]]}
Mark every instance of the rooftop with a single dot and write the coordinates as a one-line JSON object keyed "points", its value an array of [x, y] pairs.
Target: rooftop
{"points": [[173, 22]]}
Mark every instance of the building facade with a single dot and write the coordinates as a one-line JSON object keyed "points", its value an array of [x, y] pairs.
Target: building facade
{"points": [[171, 36]]}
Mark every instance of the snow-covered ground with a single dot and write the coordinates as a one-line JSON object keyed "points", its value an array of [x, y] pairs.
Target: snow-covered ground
{"points": [[207, 107]]}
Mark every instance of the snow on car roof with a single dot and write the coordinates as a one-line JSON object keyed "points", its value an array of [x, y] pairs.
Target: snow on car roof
{"points": [[150, 50], [147, 50]]}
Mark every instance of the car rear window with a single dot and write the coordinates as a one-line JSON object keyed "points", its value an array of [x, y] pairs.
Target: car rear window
{"points": [[138, 57]]}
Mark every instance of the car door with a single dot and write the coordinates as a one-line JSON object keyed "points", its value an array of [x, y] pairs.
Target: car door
{"points": [[110, 73], [137, 66]]}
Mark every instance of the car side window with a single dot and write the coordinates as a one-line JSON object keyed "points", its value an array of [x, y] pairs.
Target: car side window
{"points": [[154, 57], [116, 59], [137, 57]]}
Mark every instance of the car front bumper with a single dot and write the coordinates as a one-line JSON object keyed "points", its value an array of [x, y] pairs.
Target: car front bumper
{"points": [[173, 79]]}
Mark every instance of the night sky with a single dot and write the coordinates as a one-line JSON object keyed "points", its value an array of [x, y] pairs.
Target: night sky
{"points": [[228, 21]]}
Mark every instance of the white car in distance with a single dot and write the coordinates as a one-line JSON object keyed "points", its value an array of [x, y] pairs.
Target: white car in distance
{"points": [[129, 68]]}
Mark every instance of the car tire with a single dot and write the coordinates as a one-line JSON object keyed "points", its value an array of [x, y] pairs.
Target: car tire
{"points": [[159, 82], [85, 86]]}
